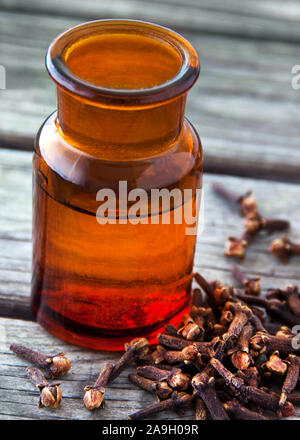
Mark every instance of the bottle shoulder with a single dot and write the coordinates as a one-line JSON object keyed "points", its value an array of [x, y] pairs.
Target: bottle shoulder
{"points": [[164, 169]]}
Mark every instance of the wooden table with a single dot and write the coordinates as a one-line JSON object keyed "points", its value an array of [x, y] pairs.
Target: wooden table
{"points": [[246, 112]]}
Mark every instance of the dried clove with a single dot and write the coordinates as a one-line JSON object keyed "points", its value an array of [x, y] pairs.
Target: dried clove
{"points": [[197, 298], [57, 365], [190, 330], [241, 358], [291, 379], [290, 294], [247, 202], [254, 223], [283, 248], [189, 354], [274, 307], [204, 386], [239, 412], [135, 349], [262, 342], [143, 382], [250, 376], [208, 289], [275, 364], [242, 315], [162, 389], [226, 317], [94, 394], [257, 322], [175, 378], [221, 293], [236, 247], [176, 343], [50, 394], [176, 402], [203, 317], [251, 285]]}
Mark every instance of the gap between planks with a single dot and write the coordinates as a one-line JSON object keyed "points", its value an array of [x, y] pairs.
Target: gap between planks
{"points": [[243, 105]]}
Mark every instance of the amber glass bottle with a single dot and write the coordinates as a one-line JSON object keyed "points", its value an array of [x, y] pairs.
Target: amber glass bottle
{"points": [[121, 92]]}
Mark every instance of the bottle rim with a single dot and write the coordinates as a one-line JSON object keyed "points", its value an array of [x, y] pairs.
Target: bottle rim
{"points": [[178, 84]]}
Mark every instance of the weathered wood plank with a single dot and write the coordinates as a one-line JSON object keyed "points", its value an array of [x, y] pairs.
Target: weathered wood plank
{"points": [[255, 19], [243, 104], [18, 398], [276, 199]]}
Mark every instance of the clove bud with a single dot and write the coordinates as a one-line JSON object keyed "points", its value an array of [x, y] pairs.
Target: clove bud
{"points": [[283, 248], [94, 395], [50, 395]]}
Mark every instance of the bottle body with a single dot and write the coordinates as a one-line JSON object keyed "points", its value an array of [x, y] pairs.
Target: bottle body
{"points": [[117, 174], [97, 285]]}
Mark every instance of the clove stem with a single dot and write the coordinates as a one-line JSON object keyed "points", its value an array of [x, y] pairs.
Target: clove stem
{"points": [[177, 401], [137, 348]]}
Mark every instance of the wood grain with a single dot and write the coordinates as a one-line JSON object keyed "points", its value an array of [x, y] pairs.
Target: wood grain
{"points": [[243, 105]]}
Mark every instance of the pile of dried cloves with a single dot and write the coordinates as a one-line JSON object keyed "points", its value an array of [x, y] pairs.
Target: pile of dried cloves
{"points": [[227, 359]]}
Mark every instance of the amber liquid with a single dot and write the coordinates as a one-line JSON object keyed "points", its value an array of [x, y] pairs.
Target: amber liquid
{"points": [[100, 285]]}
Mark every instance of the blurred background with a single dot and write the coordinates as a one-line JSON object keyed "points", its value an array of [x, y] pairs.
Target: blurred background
{"points": [[243, 105]]}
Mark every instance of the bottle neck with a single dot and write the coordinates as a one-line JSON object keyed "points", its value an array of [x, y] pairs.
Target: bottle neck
{"points": [[140, 131]]}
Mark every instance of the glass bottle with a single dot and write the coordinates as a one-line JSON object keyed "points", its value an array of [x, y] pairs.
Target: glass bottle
{"points": [[100, 279]]}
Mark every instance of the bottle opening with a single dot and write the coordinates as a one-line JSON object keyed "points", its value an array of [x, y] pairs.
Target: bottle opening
{"points": [[122, 62]]}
